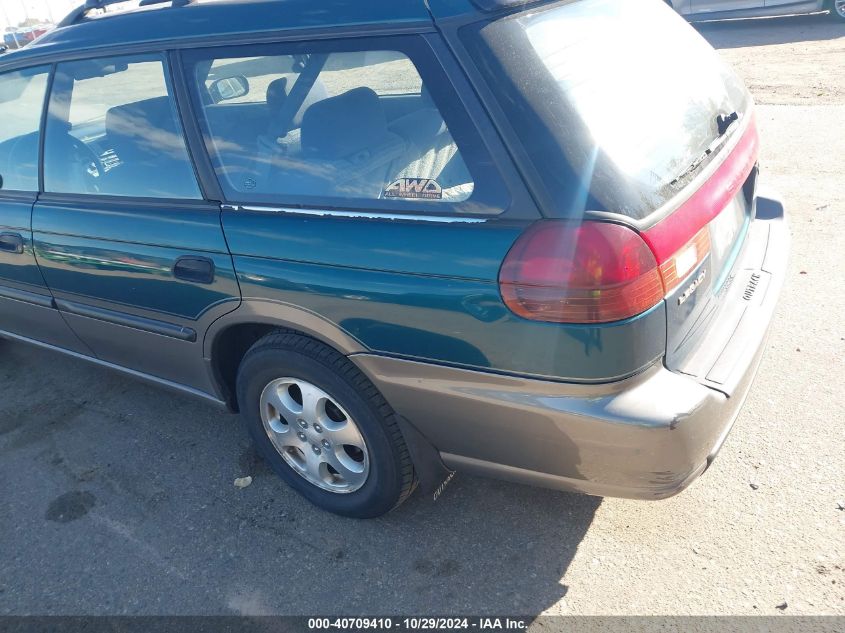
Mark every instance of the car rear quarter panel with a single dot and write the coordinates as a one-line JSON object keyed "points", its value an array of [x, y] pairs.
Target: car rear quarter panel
{"points": [[427, 291]]}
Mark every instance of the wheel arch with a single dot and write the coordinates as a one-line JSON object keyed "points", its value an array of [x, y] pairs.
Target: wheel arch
{"points": [[231, 336]]}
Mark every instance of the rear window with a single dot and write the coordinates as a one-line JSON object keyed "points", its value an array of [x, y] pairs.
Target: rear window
{"points": [[615, 102]]}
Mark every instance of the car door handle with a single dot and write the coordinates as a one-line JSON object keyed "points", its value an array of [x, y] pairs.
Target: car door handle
{"points": [[11, 243], [198, 270]]}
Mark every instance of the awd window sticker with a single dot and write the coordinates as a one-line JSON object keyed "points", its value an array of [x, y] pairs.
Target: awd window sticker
{"points": [[414, 188]]}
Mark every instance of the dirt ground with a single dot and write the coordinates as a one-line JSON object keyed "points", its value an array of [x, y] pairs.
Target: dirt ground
{"points": [[785, 61]]}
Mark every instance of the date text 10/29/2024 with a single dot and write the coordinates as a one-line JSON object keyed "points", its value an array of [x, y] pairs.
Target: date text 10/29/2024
{"points": [[418, 624]]}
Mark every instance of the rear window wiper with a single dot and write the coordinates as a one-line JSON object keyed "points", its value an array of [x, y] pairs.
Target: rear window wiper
{"points": [[724, 123]]}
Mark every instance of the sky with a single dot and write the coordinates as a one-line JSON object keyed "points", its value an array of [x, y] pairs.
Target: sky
{"points": [[12, 12]]}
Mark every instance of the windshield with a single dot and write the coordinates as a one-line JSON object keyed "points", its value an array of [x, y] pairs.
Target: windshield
{"points": [[615, 102]]}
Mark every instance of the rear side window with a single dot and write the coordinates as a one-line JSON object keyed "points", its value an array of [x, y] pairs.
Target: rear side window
{"points": [[334, 128], [113, 129], [21, 104], [615, 102]]}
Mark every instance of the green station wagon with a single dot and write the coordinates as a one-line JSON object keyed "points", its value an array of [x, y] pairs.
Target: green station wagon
{"points": [[402, 238]]}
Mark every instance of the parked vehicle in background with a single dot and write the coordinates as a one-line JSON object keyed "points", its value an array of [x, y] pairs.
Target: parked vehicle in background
{"points": [[41, 29], [15, 38], [398, 235], [26, 34], [11, 39], [699, 10]]}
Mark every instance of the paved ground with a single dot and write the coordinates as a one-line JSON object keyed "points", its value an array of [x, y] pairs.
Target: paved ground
{"points": [[118, 498]]}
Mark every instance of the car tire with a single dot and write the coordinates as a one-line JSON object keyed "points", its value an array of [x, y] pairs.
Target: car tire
{"points": [[323, 427], [837, 10]]}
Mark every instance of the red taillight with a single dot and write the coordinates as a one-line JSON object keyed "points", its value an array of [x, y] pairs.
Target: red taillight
{"points": [[593, 272]]}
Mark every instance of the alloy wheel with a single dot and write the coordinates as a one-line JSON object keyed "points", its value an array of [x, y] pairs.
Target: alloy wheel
{"points": [[315, 435]]}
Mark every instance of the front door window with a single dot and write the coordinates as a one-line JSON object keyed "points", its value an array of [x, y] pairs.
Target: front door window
{"points": [[114, 130]]}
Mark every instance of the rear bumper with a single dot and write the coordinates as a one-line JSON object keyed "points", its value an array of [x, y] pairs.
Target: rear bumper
{"points": [[646, 437]]}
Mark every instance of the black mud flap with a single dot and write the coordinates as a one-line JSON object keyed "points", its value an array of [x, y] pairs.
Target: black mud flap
{"points": [[432, 474]]}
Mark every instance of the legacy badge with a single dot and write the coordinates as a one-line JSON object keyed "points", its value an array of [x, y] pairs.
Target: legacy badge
{"points": [[692, 287]]}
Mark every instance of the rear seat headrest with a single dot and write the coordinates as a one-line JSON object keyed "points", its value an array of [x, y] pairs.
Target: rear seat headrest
{"points": [[342, 126]]}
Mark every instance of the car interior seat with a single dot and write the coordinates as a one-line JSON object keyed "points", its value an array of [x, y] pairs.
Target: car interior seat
{"points": [[347, 149]]}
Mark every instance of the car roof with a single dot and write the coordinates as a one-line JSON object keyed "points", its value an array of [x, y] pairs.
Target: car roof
{"points": [[230, 20]]}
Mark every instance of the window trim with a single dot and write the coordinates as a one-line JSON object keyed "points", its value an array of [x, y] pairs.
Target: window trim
{"points": [[171, 79], [496, 195], [528, 173], [45, 110], [191, 130], [22, 194]]}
